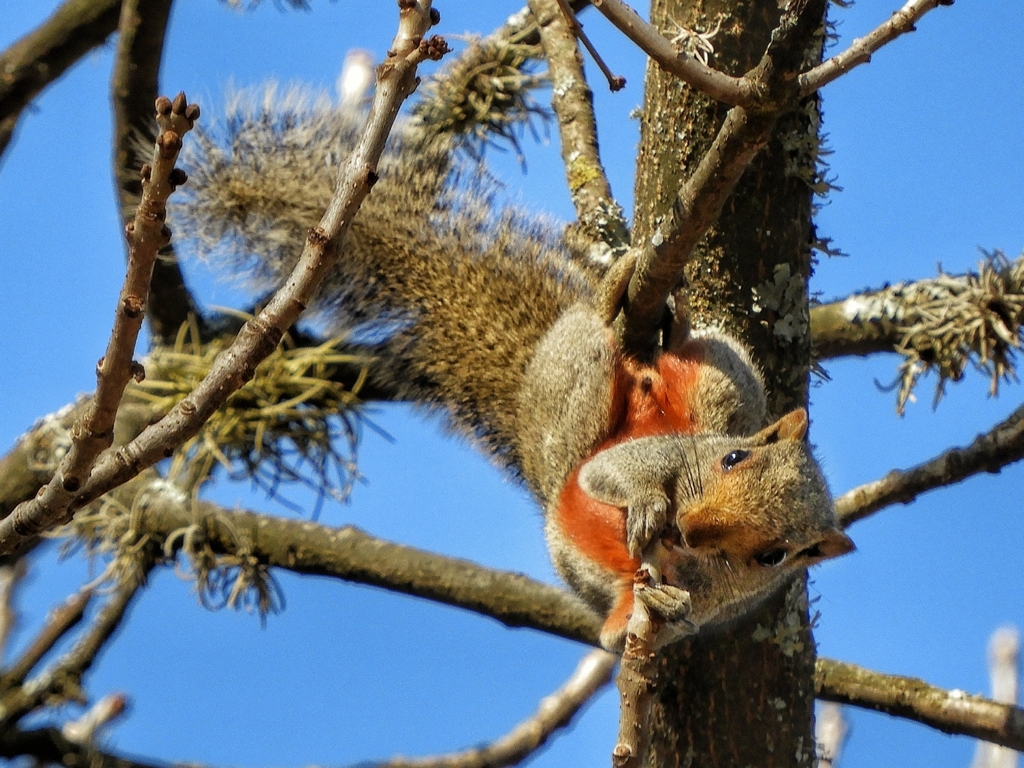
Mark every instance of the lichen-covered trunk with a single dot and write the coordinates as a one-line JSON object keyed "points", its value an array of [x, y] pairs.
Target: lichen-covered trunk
{"points": [[743, 696]]}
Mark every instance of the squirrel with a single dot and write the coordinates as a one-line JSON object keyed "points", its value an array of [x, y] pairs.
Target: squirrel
{"points": [[506, 327]]}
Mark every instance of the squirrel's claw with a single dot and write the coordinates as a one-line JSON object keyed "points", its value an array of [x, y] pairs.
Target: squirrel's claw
{"points": [[644, 519], [670, 603]]}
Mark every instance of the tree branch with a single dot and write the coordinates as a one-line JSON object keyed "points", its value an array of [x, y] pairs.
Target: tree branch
{"points": [[859, 52], [33, 460], [12, 576], [46, 53], [718, 85], [660, 263], [600, 217], [1001, 446], [940, 324], [61, 620], [50, 746], [260, 335], [162, 511], [134, 84], [638, 674], [63, 678], [908, 697], [94, 432], [556, 711], [701, 197]]}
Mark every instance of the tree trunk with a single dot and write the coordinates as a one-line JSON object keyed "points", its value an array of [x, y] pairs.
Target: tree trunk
{"points": [[743, 696]]}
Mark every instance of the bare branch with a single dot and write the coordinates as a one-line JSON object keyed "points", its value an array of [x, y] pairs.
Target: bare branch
{"points": [[63, 678], [1001, 446], [95, 719], [61, 620], [94, 432], [600, 217], [140, 45], [50, 746], [34, 458], [908, 697], [12, 573], [717, 85], [43, 55], [700, 200], [637, 678], [830, 731], [701, 197], [1003, 657], [162, 511], [860, 51], [259, 336], [556, 711]]}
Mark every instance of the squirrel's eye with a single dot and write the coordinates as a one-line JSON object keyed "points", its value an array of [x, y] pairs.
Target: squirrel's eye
{"points": [[772, 558], [730, 460]]}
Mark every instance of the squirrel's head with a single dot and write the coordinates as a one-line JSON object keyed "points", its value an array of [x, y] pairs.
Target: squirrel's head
{"points": [[764, 511]]}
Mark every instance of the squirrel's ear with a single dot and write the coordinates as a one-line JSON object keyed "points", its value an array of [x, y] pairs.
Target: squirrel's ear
{"points": [[835, 544], [792, 426]]}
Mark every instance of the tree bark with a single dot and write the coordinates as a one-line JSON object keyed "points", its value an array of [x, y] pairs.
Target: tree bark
{"points": [[743, 696]]}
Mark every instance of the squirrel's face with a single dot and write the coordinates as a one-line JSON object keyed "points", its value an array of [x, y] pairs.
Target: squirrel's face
{"points": [[764, 512], [764, 507], [728, 572]]}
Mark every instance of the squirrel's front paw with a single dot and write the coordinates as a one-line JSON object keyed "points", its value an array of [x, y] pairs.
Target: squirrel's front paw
{"points": [[644, 520], [671, 604]]}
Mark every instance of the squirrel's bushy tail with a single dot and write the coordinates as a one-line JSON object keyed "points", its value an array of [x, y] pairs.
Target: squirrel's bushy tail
{"points": [[449, 296]]}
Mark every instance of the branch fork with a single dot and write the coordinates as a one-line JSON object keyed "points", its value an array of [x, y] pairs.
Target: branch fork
{"points": [[93, 432], [396, 79]]}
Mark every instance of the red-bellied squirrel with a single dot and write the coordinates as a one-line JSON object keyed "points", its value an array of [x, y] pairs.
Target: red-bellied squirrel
{"points": [[493, 319]]}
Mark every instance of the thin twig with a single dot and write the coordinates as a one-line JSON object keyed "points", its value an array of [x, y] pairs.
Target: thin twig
{"points": [[63, 678], [44, 54], [12, 573], [615, 82], [61, 620], [859, 52], [600, 217], [94, 432], [260, 335], [140, 45], [636, 680], [948, 711], [999, 447], [555, 711], [717, 85]]}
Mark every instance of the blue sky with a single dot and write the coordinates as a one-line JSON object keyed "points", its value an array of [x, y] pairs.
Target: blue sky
{"points": [[927, 149]]}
